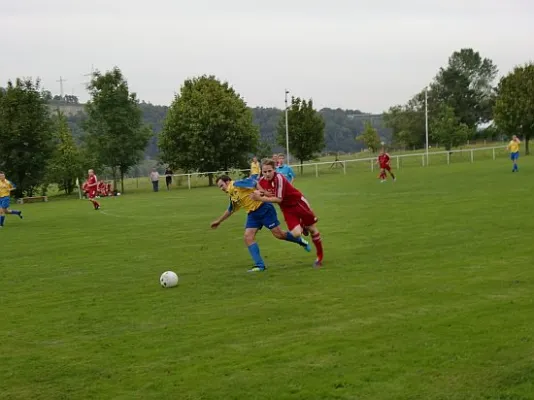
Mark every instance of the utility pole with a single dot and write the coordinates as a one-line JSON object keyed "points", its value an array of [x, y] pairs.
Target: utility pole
{"points": [[287, 130], [61, 80]]}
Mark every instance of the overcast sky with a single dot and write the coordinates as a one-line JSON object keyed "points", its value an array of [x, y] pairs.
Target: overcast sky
{"points": [[358, 54]]}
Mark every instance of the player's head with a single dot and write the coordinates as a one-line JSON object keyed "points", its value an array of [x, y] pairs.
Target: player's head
{"points": [[91, 172], [281, 159], [2, 176], [222, 182], [255, 159], [268, 169], [514, 138], [382, 150]]}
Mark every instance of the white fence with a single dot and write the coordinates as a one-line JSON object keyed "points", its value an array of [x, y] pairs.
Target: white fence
{"points": [[371, 161]]}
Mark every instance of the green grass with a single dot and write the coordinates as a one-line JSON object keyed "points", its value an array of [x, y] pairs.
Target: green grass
{"points": [[426, 294]]}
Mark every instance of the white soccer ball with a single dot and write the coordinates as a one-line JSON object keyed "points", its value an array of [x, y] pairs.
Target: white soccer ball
{"points": [[168, 279]]}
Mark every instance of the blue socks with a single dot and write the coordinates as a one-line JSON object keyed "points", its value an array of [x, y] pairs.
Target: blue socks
{"points": [[254, 251], [293, 239], [2, 218]]}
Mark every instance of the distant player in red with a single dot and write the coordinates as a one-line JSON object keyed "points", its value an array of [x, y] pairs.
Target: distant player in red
{"points": [[384, 163], [92, 187], [275, 188]]}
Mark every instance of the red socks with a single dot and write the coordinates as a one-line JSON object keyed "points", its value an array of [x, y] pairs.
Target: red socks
{"points": [[318, 243]]}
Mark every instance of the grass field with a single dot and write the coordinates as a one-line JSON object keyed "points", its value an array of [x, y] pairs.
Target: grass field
{"points": [[426, 294]]}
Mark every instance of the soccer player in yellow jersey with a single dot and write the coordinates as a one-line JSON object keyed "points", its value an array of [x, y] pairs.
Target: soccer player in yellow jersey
{"points": [[259, 214], [6, 187], [255, 168], [513, 147]]}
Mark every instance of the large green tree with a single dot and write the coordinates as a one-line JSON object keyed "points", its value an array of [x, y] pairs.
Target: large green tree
{"points": [[446, 129], [514, 105], [208, 128], [66, 164], [370, 138], [26, 135], [407, 122], [114, 127], [465, 84], [306, 130]]}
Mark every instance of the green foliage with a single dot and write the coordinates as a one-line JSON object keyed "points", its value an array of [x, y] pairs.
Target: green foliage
{"points": [[514, 105], [370, 138], [407, 122], [26, 137], [208, 128], [340, 127], [446, 130], [306, 130], [115, 132], [66, 164], [264, 150], [466, 85]]}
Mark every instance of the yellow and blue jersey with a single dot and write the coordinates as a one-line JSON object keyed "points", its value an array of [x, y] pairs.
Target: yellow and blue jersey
{"points": [[5, 188], [239, 192], [513, 146]]}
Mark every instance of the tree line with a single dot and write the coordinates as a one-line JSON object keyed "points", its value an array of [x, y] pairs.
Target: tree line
{"points": [[208, 126], [341, 126], [464, 101]]}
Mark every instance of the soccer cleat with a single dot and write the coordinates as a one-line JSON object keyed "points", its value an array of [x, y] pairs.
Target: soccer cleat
{"points": [[306, 245], [257, 269], [318, 263], [20, 214], [305, 231]]}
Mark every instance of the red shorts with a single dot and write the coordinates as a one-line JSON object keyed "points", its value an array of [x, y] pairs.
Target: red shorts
{"points": [[299, 214], [386, 167], [91, 194]]}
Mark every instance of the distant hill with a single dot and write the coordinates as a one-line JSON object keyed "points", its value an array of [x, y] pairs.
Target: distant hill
{"points": [[341, 126]]}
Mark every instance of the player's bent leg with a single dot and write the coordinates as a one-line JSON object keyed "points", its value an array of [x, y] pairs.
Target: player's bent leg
{"points": [[288, 237], [2, 217], [15, 212], [297, 231]]}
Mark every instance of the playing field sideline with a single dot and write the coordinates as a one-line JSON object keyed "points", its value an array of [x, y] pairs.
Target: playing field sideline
{"points": [[426, 294]]}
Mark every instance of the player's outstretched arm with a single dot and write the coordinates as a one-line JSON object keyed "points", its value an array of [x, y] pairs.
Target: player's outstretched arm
{"points": [[222, 218]]}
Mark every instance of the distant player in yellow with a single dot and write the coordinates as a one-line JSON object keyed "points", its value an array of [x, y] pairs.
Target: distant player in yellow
{"points": [[259, 214], [255, 168], [513, 147], [6, 187]]}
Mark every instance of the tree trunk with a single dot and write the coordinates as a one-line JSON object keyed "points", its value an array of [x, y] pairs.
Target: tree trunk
{"points": [[210, 179], [114, 172], [301, 167], [527, 150], [122, 181]]}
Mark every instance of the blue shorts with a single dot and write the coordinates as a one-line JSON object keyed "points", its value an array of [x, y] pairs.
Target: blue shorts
{"points": [[263, 216], [4, 202], [255, 176], [514, 156]]}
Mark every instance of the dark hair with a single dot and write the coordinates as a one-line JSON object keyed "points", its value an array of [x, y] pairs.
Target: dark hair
{"points": [[224, 178], [269, 162], [2, 173]]}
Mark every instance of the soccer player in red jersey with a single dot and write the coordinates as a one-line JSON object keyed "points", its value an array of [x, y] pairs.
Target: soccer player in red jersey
{"points": [[92, 186], [384, 161], [275, 188]]}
